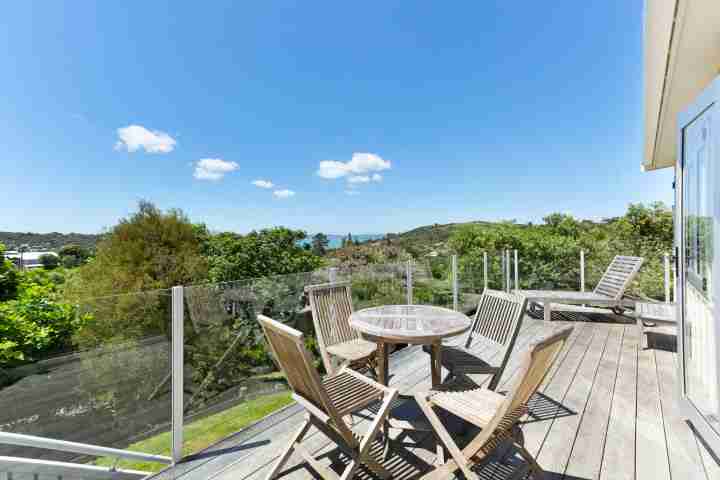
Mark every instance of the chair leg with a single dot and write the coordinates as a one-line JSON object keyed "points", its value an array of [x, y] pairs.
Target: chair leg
{"points": [[537, 472], [349, 471], [444, 436], [547, 311], [289, 450], [377, 424]]}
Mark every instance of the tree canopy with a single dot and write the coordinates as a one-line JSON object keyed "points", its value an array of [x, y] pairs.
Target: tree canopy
{"points": [[272, 251], [8, 276], [320, 244], [150, 249]]}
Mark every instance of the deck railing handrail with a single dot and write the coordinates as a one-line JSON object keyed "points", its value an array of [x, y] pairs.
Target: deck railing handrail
{"points": [[33, 441]]}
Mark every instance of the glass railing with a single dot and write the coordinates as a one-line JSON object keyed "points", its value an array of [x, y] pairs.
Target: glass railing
{"points": [[110, 387], [432, 281], [114, 387], [377, 284]]}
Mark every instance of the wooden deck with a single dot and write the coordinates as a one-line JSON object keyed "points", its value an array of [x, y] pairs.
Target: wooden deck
{"points": [[608, 410]]}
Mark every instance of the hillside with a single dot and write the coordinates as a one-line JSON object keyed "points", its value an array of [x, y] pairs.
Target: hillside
{"points": [[47, 241], [431, 234], [415, 243]]}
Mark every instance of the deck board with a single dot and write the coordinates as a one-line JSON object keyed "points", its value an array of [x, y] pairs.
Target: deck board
{"points": [[618, 461], [684, 456], [586, 457], [607, 411], [557, 447], [650, 442]]}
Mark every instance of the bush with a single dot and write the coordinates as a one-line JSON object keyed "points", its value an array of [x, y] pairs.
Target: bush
{"points": [[36, 322]]}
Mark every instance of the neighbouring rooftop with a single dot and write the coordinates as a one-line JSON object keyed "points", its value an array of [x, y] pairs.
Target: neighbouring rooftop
{"points": [[607, 410]]}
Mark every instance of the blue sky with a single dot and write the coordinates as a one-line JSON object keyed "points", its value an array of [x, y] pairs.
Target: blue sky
{"points": [[431, 112]]}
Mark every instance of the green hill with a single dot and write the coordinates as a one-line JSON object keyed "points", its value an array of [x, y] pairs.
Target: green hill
{"points": [[47, 241]]}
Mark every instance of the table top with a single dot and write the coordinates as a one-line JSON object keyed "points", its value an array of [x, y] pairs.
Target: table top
{"points": [[415, 324]]}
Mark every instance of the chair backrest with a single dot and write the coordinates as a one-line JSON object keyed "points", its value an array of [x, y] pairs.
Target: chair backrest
{"points": [[498, 317], [288, 347], [617, 277], [535, 367], [331, 305]]}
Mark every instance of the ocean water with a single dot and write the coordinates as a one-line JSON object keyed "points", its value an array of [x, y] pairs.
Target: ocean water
{"points": [[335, 241]]}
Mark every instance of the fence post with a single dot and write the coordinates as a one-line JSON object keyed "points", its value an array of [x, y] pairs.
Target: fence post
{"points": [[408, 275], [455, 282], [507, 272], [485, 279], [517, 274], [176, 367], [582, 270], [503, 279], [674, 286], [667, 278], [332, 274]]}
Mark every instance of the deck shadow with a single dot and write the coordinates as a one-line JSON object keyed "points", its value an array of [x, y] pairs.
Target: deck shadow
{"points": [[208, 454], [541, 407], [661, 341]]}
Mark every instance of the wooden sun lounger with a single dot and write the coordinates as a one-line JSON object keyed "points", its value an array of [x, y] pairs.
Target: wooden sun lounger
{"points": [[608, 293]]}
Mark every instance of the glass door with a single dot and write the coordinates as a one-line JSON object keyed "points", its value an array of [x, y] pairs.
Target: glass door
{"points": [[698, 239]]}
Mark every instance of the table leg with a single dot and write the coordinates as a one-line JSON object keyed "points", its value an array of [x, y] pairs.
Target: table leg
{"points": [[435, 364], [382, 363], [547, 310]]}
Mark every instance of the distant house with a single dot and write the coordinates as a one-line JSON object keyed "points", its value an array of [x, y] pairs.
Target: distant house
{"points": [[29, 259]]}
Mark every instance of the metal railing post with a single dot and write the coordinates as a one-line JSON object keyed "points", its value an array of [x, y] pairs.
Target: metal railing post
{"points": [[177, 364], [503, 280], [667, 277], [517, 274], [485, 271], [674, 289], [408, 276], [582, 270], [455, 282], [507, 271]]}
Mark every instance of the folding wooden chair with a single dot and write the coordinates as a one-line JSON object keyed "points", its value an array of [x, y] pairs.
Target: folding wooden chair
{"points": [[497, 322], [329, 402], [497, 415], [331, 305]]}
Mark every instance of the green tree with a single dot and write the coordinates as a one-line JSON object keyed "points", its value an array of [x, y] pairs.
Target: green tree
{"points": [[272, 251], [73, 255], [8, 277], [23, 249], [151, 249], [37, 321], [49, 261], [320, 243]]}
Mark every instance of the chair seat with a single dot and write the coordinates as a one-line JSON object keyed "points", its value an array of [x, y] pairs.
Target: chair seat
{"points": [[353, 350], [476, 406], [462, 360], [349, 393]]}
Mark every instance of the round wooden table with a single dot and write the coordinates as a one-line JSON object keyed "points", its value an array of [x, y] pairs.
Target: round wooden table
{"points": [[411, 324]]}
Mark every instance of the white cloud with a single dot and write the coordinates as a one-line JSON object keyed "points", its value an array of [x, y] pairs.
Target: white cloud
{"points": [[213, 168], [263, 183], [358, 179], [377, 177], [283, 193], [361, 163], [135, 137], [331, 169], [352, 192]]}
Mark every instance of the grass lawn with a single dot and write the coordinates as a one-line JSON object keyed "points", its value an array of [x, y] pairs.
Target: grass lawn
{"points": [[204, 432]]}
